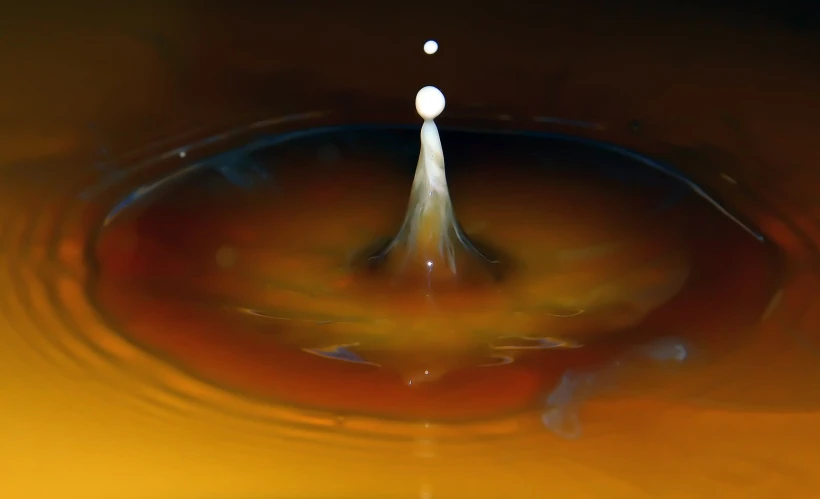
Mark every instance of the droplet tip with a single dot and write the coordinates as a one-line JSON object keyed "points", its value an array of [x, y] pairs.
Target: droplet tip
{"points": [[429, 103]]}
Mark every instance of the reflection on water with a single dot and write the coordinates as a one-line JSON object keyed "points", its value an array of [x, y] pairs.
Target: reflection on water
{"points": [[184, 318], [233, 280]]}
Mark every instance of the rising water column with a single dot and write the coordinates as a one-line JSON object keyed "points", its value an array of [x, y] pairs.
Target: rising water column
{"points": [[431, 250]]}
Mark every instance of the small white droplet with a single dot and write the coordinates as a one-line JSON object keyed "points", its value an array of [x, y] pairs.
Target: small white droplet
{"points": [[430, 47], [429, 103], [182, 154], [430, 264], [426, 373]]}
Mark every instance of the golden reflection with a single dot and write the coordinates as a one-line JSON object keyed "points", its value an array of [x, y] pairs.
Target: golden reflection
{"points": [[115, 385]]}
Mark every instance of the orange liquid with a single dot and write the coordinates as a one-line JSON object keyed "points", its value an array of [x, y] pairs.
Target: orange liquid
{"points": [[193, 400]]}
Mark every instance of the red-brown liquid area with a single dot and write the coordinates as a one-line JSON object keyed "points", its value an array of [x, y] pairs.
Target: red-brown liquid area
{"points": [[725, 297], [176, 272]]}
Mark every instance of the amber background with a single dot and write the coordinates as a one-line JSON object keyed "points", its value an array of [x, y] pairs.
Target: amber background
{"points": [[746, 81]]}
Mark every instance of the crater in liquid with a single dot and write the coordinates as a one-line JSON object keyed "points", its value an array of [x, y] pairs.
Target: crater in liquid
{"points": [[237, 272]]}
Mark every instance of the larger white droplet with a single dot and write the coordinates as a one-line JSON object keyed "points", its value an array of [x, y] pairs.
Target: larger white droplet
{"points": [[429, 103], [430, 47]]}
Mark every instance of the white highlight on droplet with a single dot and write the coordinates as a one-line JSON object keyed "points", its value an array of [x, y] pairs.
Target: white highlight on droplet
{"points": [[430, 47], [429, 103]]}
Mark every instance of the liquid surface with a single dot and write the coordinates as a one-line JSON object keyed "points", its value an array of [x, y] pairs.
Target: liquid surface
{"points": [[253, 286], [109, 418]]}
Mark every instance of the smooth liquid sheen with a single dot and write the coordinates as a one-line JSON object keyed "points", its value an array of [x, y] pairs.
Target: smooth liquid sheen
{"points": [[155, 356], [240, 283]]}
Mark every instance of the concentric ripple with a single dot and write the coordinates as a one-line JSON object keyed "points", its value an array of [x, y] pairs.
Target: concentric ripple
{"points": [[52, 282]]}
